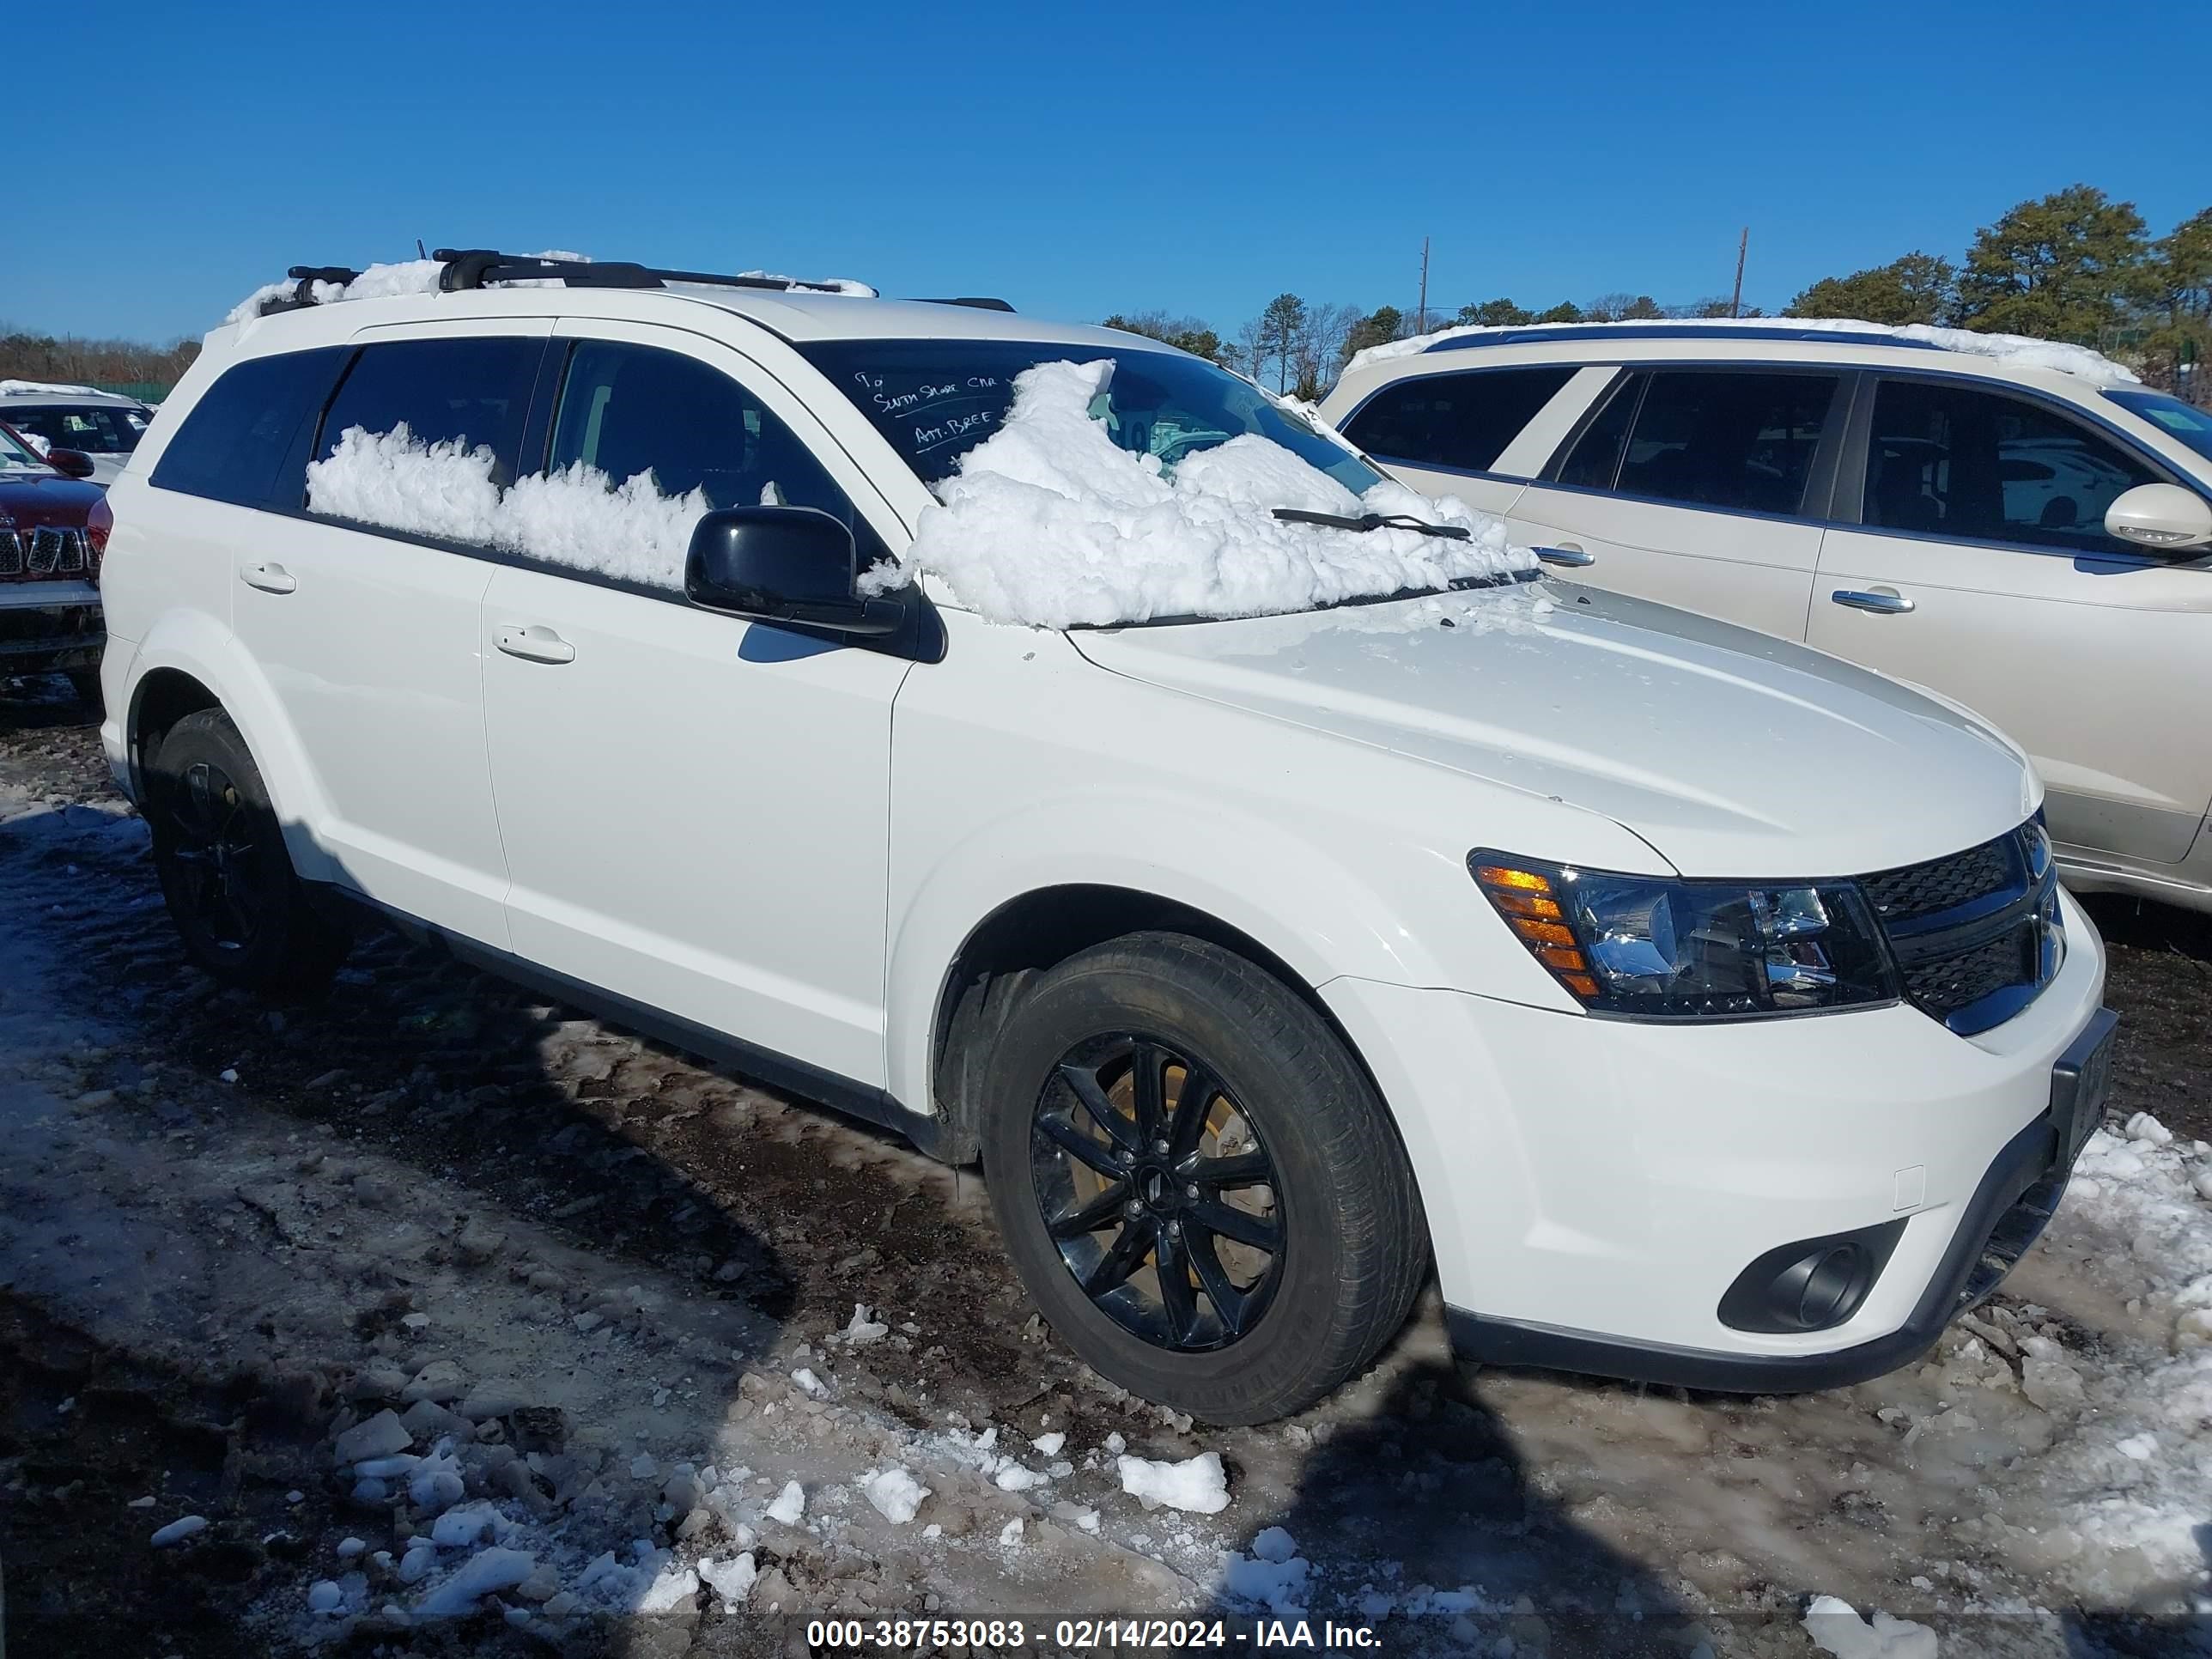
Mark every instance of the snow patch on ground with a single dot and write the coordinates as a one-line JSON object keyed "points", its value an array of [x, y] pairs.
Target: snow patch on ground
{"points": [[1836, 1627], [1198, 1484], [2019, 349], [1049, 523], [895, 1494]]}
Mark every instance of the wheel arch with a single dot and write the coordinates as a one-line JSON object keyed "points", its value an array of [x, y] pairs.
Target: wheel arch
{"points": [[1032, 931]]}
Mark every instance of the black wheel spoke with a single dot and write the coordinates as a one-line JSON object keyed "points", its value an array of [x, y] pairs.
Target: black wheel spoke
{"points": [[1237, 1170], [1090, 1218], [1231, 1305], [1085, 1149], [1134, 1187], [1176, 1296], [1188, 1122], [1087, 1090], [1122, 1258], [1146, 1087], [1260, 1232]]}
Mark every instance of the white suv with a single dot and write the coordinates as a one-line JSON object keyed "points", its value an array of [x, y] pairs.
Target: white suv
{"points": [[1704, 1007], [2018, 525]]}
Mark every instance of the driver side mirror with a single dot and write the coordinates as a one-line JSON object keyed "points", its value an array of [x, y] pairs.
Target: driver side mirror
{"points": [[69, 463], [2160, 518], [783, 564]]}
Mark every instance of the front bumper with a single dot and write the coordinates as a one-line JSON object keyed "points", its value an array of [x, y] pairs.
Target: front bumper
{"points": [[1594, 1187], [49, 626]]}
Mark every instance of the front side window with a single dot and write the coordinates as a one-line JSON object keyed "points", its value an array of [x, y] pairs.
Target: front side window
{"points": [[1739, 441], [1462, 421], [245, 440], [627, 410], [935, 400], [1959, 462]]}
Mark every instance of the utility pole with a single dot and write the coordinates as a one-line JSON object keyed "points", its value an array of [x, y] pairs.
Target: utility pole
{"points": [[1735, 302], [1421, 317]]}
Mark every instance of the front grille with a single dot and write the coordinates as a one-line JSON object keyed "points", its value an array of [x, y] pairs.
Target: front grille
{"points": [[1975, 934], [45, 551], [1921, 890]]}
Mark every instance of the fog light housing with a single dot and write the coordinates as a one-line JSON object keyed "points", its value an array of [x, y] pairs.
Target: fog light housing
{"points": [[1813, 1285]]}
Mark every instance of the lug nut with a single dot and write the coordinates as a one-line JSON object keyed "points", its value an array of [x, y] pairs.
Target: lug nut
{"points": [[1159, 1146], [1191, 1191]]}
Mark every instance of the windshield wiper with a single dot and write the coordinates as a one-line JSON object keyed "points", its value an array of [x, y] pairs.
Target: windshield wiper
{"points": [[1367, 521]]}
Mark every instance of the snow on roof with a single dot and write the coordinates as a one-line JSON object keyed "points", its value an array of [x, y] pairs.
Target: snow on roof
{"points": [[36, 388], [403, 276], [2016, 348], [1049, 523]]}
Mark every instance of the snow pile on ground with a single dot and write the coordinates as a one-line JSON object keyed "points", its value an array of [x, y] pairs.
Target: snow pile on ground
{"points": [[578, 516], [2020, 349], [10, 388], [1836, 1627], [1049, 523], [895, 1494], [1198, 1484], [1272, 1578]]}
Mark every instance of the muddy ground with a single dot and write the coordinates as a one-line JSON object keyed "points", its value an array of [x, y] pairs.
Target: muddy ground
{"points": [[229, 1231]]}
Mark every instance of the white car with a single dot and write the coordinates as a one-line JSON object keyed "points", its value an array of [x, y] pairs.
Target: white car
{"points": [[99, 424], [1705, 1008], [2017, 526]]}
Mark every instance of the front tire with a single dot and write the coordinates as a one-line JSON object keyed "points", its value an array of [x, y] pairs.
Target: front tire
{"points": [[219, 851], [1196, 1181]]}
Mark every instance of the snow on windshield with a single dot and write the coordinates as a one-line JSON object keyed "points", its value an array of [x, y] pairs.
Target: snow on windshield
{"points": [[2018, 349], [1049, 522], [578, 516]]}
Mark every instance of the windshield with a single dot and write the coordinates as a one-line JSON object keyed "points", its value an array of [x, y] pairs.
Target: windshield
{"points": [[937, 399], [94, 428], [2191, 425], [15, 456]]}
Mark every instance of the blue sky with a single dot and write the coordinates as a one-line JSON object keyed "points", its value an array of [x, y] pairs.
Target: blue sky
{"points": [[1081, 160]]}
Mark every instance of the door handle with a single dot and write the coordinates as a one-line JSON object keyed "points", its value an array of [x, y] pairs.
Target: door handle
{"points": [[1882, 601], [534, 644], [269, 578], [1566, 553]]}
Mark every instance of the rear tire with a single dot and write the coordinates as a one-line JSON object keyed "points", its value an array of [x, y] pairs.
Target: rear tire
{"points": [[1237, 1270], [242, 910]]}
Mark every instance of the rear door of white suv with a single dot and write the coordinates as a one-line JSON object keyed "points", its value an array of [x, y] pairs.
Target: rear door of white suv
{"points": [[695, 809], [369, 636], [1700, 486], [1978, 565]]}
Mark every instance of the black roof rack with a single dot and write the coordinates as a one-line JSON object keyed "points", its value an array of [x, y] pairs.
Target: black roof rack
{"points": [[477, 267], [979, 301]]}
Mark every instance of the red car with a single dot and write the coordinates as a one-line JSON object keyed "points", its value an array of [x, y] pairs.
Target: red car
{"points": [[53, 529]]}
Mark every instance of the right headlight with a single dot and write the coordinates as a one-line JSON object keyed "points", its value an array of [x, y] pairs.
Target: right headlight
{"points": [[1650, 948]]}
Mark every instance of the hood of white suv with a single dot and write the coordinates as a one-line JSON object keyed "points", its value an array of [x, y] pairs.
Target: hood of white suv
{"points": [[1732, 753]]}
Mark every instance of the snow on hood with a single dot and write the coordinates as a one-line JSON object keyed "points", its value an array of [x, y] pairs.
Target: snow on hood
{"points": [[2018, 349], [1051, 523], [12, 388]]}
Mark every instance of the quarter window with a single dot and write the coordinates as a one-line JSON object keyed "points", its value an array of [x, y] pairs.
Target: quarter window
{"points": [[1743, 442], [245, 439], [474, 392], [1955, 461], [1464, 421]]}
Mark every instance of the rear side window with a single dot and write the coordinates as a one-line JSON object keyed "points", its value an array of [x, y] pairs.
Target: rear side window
{"points": [[1593, 460], [1710, 438], [473, 392], [1957, 461], [1462, 421], [245, 440]]}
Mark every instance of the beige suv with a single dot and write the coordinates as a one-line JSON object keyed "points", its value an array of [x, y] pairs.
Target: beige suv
{"points": [[2020, 527]]}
